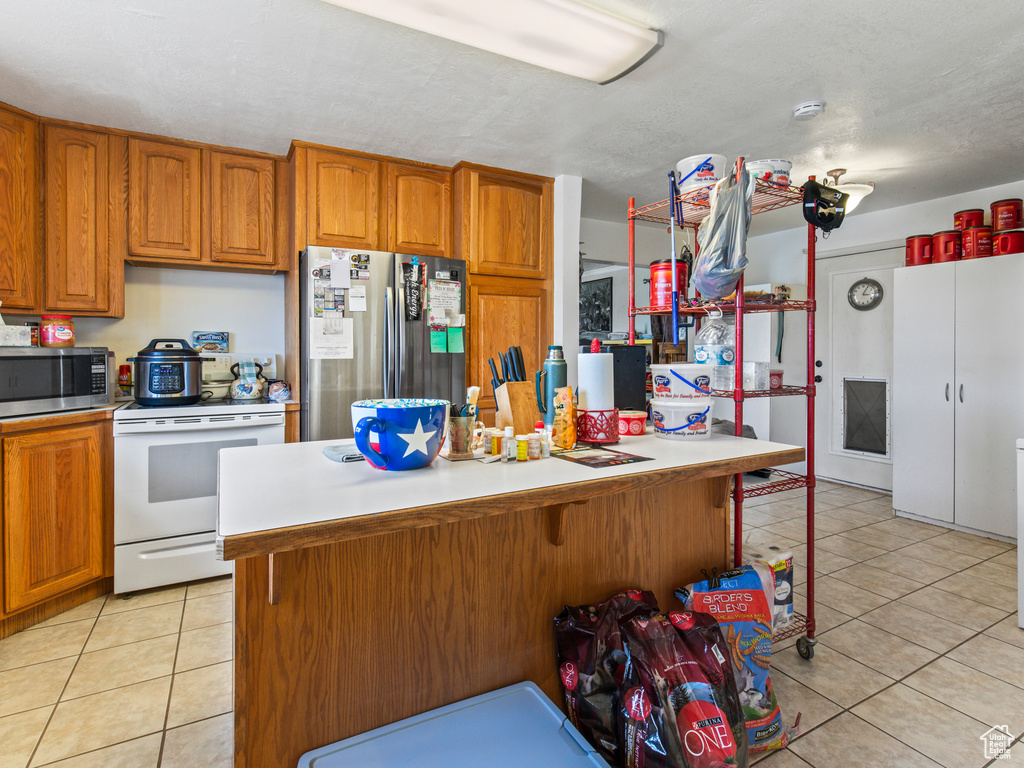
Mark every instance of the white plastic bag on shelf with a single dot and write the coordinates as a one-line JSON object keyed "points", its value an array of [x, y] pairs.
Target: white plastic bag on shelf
{"points": [[722, 237]]}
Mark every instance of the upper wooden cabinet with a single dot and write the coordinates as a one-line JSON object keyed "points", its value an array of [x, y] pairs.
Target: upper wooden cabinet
{"points": [[54, 499], [164, 200], [342, 200], [419, 210], [503, 222], [21, 251], [83, 274], [241, 204]]}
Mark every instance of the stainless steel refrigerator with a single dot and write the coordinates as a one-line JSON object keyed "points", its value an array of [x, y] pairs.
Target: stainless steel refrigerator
{"points": [[349, 353]]}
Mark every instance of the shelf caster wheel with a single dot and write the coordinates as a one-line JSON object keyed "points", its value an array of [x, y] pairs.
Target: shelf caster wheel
{"points": [[805, 647]]}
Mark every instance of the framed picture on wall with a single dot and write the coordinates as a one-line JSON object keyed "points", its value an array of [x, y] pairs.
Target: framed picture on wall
{"points": [[596, 306]]}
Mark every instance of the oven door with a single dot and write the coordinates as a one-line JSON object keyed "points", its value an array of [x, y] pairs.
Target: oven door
{"points": [[165, 473]]}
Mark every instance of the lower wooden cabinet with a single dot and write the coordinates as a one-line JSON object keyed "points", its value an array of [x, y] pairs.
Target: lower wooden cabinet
{"points": [[503, 312], [54, 512]]}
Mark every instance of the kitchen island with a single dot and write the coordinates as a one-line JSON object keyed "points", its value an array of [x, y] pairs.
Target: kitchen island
{"points": [[363, 597]]}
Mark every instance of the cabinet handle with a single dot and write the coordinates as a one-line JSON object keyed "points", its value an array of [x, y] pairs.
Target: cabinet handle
{"points": [[961, 393], [947, 391]]}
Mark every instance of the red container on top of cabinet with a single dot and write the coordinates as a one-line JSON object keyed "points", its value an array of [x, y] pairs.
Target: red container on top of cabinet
{"points": [[972, 217], [977, 242], [919, 250], [1007, 214], [1008, 242], [945, 246]]}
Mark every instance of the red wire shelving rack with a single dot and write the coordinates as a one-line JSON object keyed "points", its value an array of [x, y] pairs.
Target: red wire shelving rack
{"points": [[694, 206]]}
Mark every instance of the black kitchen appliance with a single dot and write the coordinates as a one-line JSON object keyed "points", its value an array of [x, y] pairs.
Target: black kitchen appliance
{"points": [[629, 366], [168, 372]]}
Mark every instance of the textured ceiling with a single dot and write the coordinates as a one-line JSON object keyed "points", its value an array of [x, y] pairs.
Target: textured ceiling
{"points": [[925, 99]]}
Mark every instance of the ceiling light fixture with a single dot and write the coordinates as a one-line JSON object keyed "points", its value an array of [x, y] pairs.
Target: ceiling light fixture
{"points": [[857, 192], [560, 35]]}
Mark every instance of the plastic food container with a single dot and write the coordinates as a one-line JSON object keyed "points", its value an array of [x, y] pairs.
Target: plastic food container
{"points": [[689, 420], [1007, 214], [946, 246], [755, 376], [976, 242], [774, 171], [1008, 242], [710, 168], [972, 217], [56, 331], [632, 422], [919, 250], [680, 381], [661, 281], [775, 378]]}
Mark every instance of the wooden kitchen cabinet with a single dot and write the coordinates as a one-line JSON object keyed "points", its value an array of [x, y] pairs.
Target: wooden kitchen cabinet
{"points": [[84, 275], [54, 512], [343, 207], [164, 200], [241, 209], [504, 312], [503, 222], [21, 250], [419, 210]]}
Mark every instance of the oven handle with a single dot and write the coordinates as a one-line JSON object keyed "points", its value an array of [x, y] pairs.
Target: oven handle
{"points": [[140, 427]]}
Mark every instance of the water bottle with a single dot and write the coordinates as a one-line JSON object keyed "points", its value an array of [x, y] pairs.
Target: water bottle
{"points": [[715, 343]]}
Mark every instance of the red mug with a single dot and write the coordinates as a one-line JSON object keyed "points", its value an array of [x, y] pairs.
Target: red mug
{"points": [[945, 246], [972, 217], [977, 242], [919, 250], [1006, 214], [1008, 242]]}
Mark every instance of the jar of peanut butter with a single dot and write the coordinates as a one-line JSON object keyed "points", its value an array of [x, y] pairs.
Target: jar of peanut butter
{"points": [[56, 331]]}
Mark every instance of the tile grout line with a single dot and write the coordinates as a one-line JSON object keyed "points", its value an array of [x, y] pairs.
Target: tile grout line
{"points": [[170, 690]]}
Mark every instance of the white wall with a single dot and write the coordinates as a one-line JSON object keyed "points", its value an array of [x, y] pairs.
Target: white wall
{"points": [[568, 200], [171, 303]]}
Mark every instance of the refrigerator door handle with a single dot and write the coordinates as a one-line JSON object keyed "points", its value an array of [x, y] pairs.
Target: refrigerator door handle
{"points": [[388, 317], [400, 322]]}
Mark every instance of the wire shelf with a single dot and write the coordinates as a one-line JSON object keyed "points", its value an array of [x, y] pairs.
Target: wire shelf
{"points": [[749, 393], [790, 482], [696, 203], [798, 625], [729, 308]]}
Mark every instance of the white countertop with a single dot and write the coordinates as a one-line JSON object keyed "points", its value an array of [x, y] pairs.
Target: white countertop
{"points": [[266, 488]]}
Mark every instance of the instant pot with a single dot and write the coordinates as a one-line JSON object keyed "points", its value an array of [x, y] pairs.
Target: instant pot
{"points": [[168, 372]]}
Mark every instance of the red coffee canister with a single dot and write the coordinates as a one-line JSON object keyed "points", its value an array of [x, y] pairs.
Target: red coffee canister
{"points": [[977, 242], [945, 246], [1006, 214], [972, 217], [661, 281], [1008, 242], [919, 250]]}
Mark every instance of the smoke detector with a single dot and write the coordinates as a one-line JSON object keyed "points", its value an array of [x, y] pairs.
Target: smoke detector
{"points": [[808, 110]]}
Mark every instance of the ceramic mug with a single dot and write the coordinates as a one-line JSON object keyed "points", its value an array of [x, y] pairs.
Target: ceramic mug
{"points": [[400, 434]]}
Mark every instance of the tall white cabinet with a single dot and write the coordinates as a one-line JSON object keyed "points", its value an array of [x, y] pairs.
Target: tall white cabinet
{"points": [[958, 391]]}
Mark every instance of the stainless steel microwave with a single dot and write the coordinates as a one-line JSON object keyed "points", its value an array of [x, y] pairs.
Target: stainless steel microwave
{"points": [[45, 379]]}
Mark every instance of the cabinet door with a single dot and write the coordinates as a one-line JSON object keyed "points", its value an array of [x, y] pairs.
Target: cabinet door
{"points": [[343, 200], [419, 210], [53, 513], [989, 372], [21, 258], [923, 391], [78, 268], [505, 223], [241, 209], [504, 312], [163, 200]]}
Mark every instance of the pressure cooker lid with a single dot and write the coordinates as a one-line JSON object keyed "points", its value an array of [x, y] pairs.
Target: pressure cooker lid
{"points": [[177, 349]]}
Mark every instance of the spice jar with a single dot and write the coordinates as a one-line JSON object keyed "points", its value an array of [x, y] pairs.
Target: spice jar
{"points": [[56, 331]]}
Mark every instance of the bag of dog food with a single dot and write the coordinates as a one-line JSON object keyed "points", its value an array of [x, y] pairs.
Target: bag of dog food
{"points": [[742, 601], [672, 712], [591, 656]]}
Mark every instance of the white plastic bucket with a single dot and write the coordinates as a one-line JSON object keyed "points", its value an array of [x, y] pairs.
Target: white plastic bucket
{"points": [[707, 169], [775, 171], [680, 382], [683, 420]]}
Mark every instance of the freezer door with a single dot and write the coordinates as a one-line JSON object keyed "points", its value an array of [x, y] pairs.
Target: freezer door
{"points": [[331, 386], [420, 373]]}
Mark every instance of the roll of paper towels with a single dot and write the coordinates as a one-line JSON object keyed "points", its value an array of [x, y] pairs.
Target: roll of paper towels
{"points": [[596, 374]]}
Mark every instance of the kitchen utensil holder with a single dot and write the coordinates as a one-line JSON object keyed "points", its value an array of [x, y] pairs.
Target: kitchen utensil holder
{"points": [[517, 406], [598, 426]]}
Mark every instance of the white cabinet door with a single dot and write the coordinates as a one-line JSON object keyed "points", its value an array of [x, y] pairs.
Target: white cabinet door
{"points": [[923, 390], [989, 391]]}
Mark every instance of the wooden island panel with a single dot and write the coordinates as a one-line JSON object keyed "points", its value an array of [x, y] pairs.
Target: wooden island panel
{"points": [[371, 630]]}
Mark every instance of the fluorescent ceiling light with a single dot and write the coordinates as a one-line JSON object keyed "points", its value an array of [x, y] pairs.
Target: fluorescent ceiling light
{"points": [[560, 35]]}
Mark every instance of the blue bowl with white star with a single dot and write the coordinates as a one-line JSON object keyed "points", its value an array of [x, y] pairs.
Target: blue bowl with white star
{"points": [[400, 434]]}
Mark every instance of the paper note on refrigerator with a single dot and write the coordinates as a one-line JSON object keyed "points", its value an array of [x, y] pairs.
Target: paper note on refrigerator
{"points": [[444, 299], [331, 338], [340, 265], [357, 298]]}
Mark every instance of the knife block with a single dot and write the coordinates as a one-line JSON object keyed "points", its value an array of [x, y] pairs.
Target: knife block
{"points": [[517, 406]]}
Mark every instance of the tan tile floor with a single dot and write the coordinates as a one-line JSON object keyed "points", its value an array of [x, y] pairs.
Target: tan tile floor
{"points": [[919, 654]]}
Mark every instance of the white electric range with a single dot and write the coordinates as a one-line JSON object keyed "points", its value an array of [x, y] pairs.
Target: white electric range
{"points": [[165, 485]]}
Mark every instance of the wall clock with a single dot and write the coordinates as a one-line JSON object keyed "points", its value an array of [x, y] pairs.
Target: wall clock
{"points": [[865, 294]]}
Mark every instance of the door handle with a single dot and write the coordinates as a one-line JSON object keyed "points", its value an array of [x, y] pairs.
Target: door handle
{"points": [[947, 391], [961, 393], [388, 311]]}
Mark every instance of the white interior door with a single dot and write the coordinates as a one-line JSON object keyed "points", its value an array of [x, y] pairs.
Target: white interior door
{"points": [[923, 390], [989, 372], [852, 426]]}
